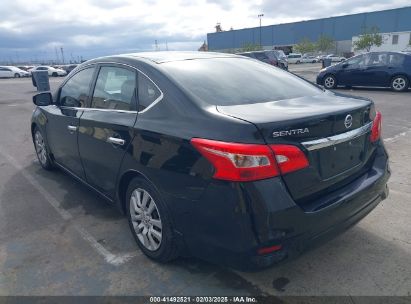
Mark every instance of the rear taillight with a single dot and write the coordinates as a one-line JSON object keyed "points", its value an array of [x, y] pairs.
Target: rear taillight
{"points": [[249, 162], [289, 158], [376, 127]]}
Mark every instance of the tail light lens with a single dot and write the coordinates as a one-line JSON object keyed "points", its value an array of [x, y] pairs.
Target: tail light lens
{"points": [[248, 162], [376, 127], [289, 158]]}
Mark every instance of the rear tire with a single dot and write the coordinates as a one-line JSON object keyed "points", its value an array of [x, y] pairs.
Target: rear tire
{"points": [[329, 82], [54, 74], [150, 222], [399, 83], [42, 150]]}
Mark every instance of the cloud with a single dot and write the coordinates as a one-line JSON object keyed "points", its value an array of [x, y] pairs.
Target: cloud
{"points": [[34, 29]]}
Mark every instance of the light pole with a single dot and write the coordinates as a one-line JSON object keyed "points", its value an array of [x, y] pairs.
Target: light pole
{"points": [[260, 16]]}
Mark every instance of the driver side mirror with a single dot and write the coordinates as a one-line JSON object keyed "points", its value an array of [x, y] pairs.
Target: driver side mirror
{"points": [[345, 65], [43, 99]]}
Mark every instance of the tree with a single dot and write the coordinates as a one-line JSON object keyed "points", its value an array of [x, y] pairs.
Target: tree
{"points": [[369, 38], [324, 43], [305, 46], [250, 47]]}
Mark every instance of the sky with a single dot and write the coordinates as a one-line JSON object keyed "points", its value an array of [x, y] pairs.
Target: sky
{"points": [[38, 29]]}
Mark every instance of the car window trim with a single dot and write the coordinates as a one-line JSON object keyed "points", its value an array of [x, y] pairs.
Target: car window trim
{"points": [[160, 98], [93, 79]]}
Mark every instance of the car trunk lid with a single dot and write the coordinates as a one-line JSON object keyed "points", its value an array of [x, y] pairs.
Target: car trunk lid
{"points": [[332, 130]]}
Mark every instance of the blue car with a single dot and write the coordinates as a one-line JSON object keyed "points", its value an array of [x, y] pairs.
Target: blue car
{"points": [[375, 69]]}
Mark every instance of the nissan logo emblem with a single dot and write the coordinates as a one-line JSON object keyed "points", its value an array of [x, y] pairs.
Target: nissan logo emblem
{"points": [[348, 121]]}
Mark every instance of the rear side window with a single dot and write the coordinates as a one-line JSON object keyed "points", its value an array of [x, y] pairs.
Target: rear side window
{"points": [[396, 60], [76, 90], [115, 89], [148, 92], [376, 59], [236, 81]]}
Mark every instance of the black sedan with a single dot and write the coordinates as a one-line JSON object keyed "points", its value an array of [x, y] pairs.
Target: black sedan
{"points": [[216, 156], [376, 69]]}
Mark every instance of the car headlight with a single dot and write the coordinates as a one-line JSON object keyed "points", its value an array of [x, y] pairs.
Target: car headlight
{"points": [[323, 70]]}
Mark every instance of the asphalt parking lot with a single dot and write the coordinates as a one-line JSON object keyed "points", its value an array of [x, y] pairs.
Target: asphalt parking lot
{"points": [[59, 238]]}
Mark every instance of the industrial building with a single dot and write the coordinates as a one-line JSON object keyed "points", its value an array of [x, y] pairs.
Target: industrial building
{"points": [[341, 29]]}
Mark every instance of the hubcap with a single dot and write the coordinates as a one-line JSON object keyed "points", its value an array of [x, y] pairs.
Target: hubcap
{"points": [[398, 83], [329, 82], [40, 148], [146, 219]]}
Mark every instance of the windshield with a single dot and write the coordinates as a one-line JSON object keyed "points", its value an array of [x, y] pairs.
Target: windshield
{"points": [[235, 81]]}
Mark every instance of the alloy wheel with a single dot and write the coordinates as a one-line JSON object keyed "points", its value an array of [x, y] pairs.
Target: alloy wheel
{"points": [[40, 148], [329, 82], [399, 84], [146, 219]]}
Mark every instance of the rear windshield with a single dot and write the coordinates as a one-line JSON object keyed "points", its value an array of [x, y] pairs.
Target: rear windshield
{"points": [[236, 81]]}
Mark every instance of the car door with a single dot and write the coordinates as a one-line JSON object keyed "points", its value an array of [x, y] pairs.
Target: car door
{"points": [[7, 72], [2, 72], [350, 71], [63, 120], [395, 65], [106, 128], [376, 70]]}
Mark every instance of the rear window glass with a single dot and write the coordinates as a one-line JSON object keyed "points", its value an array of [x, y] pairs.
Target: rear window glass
{"points": [[235, 81]]}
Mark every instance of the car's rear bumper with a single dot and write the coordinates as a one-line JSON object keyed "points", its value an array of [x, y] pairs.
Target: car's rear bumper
{"points": [[232, 221]]}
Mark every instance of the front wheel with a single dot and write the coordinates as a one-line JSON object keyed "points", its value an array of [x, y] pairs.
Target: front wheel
{"points": [[330, 82], [41, 150], [150, 222], [399, 83], [54, 74], [16, 75]]}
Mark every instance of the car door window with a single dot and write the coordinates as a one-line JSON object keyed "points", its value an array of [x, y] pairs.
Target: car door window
{"points": [[115, 89], [356, 62], [75, 92], [375, 59], [148, 92]]}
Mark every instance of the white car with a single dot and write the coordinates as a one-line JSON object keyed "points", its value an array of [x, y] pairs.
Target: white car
{"points": [[52, 71], [294, 58], [309, 59], [12, 72], [335, 58]]}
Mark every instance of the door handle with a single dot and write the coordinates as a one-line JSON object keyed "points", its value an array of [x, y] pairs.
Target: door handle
{"points": [[71, 129], [116, 141]]}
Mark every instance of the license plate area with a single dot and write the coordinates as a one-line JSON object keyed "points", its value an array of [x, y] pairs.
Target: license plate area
{"points": [[341, 157]]}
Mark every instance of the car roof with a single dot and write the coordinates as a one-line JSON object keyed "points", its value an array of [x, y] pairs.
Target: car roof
{"points": [[169, 56]]}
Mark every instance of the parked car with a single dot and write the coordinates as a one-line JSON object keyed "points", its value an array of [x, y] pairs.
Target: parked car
{"points": [[294, 58], [12, 72], [335, 58], [376, 69], [51, 71], [24, 68], [215, 155], [273, 57], [308, 59], [68, 68]]}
